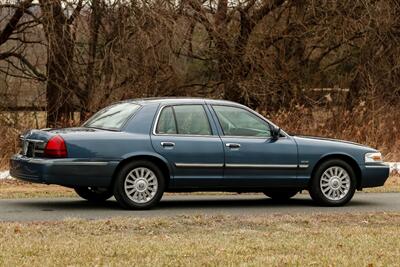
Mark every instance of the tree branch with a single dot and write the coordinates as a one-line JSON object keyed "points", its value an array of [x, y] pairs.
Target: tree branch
{"points": [[265, 9], [12, 24], [23, 60], [76, 12]]}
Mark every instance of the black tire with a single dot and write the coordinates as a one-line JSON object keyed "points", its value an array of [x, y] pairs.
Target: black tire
{"points": [[316, 192], [122, 196], [281, 194], [94, 194]]}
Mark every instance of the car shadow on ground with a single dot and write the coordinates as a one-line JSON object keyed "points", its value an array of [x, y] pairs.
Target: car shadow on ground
{"points": [[184, 203]]}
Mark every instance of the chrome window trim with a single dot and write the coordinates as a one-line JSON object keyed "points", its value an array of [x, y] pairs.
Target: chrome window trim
{"points": [[183, 135], [215, 135], [31, 140]]}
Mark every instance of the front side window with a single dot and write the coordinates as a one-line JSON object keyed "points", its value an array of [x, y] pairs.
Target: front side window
{"points": [[112, 117], [240, 122], [183, 119]]}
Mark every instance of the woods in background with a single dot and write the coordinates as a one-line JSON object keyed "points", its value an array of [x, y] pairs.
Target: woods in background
{"points": [[273, 55]]}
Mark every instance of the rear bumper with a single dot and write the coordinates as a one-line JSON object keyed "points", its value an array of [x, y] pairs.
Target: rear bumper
{"points": [[66, 172], [374, 175]]}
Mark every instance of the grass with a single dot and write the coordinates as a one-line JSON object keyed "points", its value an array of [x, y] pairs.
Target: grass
{"points": [[19, 189], [275, 240]]}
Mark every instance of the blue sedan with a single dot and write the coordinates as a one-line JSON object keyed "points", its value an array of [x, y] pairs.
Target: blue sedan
{"points": [[136, 150]]}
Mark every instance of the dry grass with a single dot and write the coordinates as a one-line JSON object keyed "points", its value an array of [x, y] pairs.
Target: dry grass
{"points": [[8, 145], [276, 240], [19, 189]]}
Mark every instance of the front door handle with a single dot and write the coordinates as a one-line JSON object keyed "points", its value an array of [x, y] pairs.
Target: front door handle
{"points": [[232, 145], [167, 144]]}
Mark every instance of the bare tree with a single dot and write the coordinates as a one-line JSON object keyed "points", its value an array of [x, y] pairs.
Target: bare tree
{"points": [[62, 86]]}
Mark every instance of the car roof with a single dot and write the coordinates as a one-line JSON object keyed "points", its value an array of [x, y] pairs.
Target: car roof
{"points": [[181, 100]]}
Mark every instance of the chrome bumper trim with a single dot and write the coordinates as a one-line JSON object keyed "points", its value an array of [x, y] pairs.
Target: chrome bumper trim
{"points": [[80, 163], [377, 166], [62, 162]]}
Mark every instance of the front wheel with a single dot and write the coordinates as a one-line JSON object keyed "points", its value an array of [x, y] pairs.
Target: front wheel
{"points": [[333, 183], [94, 194], [139, 185]]}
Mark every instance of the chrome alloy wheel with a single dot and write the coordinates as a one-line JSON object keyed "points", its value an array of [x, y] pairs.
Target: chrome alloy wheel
{"points": [[335, 183], [141, 185]]}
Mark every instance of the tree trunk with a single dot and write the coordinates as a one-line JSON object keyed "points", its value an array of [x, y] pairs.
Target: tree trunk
{"points": [[61, 85], [87, 99]]}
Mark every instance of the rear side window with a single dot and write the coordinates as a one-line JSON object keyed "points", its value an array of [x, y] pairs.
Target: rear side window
{"points": [[166, 122], [112, 117], [183, 119]]}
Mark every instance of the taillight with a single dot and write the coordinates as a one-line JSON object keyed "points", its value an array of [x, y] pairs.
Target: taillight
{"points": [[56, 148]]}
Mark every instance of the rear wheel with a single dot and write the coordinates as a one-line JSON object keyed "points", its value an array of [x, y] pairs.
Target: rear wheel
{"points": [[94, 194], [139, 185], [282, 194], [333, 183]]}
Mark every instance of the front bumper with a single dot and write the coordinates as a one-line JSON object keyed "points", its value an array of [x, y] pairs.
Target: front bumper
{"points": [[66, 172], [374, 175]]}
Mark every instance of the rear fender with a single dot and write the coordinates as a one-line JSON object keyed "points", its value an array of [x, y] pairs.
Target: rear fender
{"points": [[148, 154]]}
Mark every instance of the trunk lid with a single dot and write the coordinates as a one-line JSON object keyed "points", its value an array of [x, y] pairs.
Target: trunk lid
{"points": [[33, 142]]}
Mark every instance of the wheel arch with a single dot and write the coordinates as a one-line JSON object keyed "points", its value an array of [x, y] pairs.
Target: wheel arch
{"points": [[156, 159], [346, 158]]}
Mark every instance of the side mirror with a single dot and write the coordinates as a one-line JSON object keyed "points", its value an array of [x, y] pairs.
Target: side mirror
{"points": [[275, 133]]}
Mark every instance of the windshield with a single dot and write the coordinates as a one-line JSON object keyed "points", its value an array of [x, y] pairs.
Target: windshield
{"points": [[112, 117]]}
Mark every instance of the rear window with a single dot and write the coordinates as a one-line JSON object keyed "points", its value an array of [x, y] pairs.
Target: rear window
{"points": [[112, 117]]}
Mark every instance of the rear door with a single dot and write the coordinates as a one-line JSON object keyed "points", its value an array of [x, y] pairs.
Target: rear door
{"points": [[188, 139]]}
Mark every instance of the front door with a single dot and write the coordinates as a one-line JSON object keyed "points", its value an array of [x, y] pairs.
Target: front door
{"points": [[185, 137], [252, 157]]}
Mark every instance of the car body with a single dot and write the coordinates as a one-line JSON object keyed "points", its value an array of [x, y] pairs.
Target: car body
{"points": [[195, 145]]}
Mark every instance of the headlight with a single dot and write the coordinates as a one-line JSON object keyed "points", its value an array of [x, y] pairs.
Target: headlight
{"points": [[373, 157]]}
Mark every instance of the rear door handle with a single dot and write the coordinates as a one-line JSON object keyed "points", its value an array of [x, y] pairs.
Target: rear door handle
{"points": [[232, 145], [167, 144]]}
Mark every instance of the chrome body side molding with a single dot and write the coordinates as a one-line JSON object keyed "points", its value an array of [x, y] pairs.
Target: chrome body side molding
{"points": [[258, 166], [263, 166], [199, 165]]}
